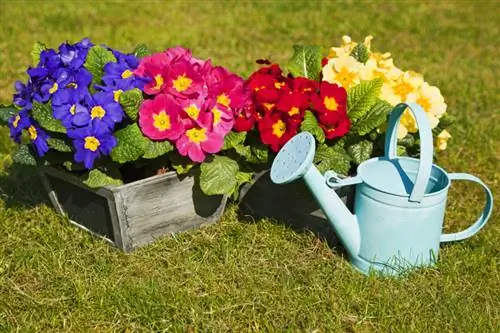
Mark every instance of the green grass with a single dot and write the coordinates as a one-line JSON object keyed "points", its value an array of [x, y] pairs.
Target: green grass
{"points": [[261, 276]]}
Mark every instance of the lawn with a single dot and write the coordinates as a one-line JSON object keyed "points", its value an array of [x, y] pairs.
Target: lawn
{"points": [[262, 276]]}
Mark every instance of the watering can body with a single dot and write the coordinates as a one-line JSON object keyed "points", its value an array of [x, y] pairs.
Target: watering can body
{"points": [[397, 234], [399, 203]]}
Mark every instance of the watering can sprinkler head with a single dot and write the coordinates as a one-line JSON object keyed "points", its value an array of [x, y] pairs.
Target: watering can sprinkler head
{"points": [[294, 159]]}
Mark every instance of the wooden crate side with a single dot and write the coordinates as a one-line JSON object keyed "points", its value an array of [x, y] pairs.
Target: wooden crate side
{"points": [[165, 205], [82, 206]]}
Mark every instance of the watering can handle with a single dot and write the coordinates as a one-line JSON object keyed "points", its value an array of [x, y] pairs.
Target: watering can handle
{"points": [[481, 221], [426, 147]]}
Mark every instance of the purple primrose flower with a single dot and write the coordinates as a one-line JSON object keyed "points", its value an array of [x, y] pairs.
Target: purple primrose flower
{"points": [[103, 111], [90, 143]]}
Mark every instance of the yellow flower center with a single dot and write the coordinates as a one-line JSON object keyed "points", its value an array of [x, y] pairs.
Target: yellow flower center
{"points": [[72, 85], [268, 106], [403, 89], [330, 104], [345, 77], [279, 128], [278, 85], [117, 94], [217, 114], [293, 111], [197, 135], [92, 143], [223, 99], [161, 121], [127, 73], [72, 109], [54, 88], [182, 82], [158, 82], [97, 112], [33, 133], [192, 111], [16, 121], [424, 103]]}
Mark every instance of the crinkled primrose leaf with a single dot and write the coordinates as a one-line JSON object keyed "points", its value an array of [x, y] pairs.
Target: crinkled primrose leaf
{"points": [[131, 144], [219, 176], [42, 113], [306, 61], [130, 101], [97, 58]]}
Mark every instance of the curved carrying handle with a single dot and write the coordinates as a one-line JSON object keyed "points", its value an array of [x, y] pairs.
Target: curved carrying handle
{"points": [[481, 221], [426, 147]]}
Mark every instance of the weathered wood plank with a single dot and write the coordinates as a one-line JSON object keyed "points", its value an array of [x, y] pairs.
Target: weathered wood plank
{"points": [[136, 213]]}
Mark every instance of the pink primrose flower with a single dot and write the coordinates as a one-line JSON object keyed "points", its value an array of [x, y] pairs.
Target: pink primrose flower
{"points": [[184, 81], [159, 118], [198, 141]]}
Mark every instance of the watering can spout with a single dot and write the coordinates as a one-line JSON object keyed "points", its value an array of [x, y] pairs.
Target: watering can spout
{"points": [[344, 223], [294, 161]]}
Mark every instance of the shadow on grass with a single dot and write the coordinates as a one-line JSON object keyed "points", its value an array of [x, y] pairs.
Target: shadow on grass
{"points": [[20, 187], [291, 205]]}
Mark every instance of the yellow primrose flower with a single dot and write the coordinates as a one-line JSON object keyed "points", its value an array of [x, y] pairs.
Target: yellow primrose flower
{"points": [[343, 70], [397, 91], [346, 47], [430, 99], [407, 124], [442, 140], [370, 71]]}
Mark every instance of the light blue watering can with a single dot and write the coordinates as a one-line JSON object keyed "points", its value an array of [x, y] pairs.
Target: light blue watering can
{"points": [[399, 203]]}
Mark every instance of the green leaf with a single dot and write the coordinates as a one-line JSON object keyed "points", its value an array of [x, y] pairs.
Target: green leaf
{"points": [[42, 113], [23, 156], [131, 144], [241, 178], [141, 51], [181, 164], [131, 100], [375, 117], [360, 53], [218, 176], [155, 149], [35, 53], [332, 158], [361, 98], [97, 178], [73, 166], [310, 124], [59, 145], [7, 112], [234, 139], [97, 58], [306, 62], [256, 154], [360, 151], [407, 141], [401, 151], [446, 120]]}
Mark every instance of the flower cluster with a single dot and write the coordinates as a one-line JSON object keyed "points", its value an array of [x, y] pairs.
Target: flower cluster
{"points": [[57, 74], [280, 103], [343, 68], [189, 102], [89, 114]]}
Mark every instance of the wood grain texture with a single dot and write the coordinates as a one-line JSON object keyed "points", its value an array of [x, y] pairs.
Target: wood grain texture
{"points": [[137, 213]]}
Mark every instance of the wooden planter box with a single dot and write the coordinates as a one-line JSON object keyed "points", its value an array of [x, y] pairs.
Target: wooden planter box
{"points": [[291, 204], [135, 214]]}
